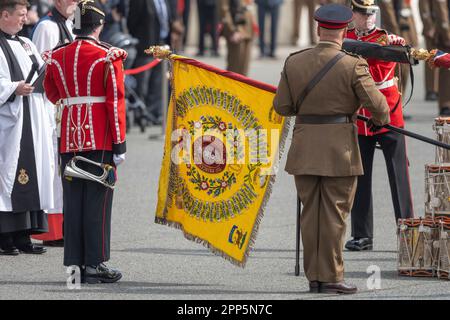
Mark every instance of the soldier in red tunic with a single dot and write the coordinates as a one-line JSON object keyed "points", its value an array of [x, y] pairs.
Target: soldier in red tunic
{"points": [[86, 79], [392, 144]]}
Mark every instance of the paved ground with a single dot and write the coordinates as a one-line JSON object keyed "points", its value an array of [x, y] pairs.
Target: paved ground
{"points": [[158, 263]]}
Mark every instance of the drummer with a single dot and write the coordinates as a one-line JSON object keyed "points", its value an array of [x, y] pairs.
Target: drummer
{"points": [[392, 144]]}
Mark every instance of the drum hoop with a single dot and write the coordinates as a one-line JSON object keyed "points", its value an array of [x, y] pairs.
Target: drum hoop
{"points": [[442, 121], [427, 221], [437, 168]]}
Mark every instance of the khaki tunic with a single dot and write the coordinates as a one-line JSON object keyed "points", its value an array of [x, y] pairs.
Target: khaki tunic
{"points": [[390, 23], [327, 150]]}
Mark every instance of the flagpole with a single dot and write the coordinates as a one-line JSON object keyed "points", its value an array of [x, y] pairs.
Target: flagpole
{"points": [[165, 96], [165, 55]]}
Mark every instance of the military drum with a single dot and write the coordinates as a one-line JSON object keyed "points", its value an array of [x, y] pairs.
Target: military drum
{"points": [[437, 190], [418, 247], [442, 128], [443, 270]]}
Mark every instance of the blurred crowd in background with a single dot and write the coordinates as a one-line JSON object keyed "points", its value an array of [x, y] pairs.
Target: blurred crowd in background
{"points": [[135, 25]]}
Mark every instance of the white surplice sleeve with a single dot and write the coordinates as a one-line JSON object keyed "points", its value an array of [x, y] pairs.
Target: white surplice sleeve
{"points": [[46, 36], [7, 87]]}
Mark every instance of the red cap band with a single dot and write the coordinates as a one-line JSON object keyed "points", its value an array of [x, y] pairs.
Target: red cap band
{"points": [[332, 25]]}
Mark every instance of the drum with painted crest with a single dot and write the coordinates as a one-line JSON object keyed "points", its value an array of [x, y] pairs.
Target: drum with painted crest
{"points": [[418, 247], [443, 269], [437, 190], [442, 128]]}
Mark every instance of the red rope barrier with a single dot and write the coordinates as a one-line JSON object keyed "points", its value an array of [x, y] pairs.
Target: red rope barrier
{"points": [[131, 72]]}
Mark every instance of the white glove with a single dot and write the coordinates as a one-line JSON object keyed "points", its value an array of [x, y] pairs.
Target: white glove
{"points": [[118, 159], [396, 40]]}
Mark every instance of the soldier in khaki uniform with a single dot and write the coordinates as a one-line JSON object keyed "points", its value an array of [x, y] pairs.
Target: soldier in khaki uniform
{"points": [[440, 8], [389, 16], [298, 5], [324, 155], [397, 18], [428, 17], [238, 22]]}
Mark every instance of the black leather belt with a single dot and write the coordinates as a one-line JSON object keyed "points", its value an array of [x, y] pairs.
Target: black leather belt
{"points": [[332, 119]]}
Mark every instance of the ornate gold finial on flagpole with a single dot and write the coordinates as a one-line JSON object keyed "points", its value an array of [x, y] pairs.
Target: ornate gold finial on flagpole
{"points": [[422, 54], [159, 52]]}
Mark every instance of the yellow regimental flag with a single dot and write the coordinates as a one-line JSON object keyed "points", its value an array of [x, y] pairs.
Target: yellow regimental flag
{"points": [[223, 139]]}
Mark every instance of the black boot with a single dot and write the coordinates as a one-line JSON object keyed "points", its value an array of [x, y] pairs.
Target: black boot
{"points": [[359, 244], [431, 96], [23, 242], [444, 112], [338, 287], [101, 274], [54, 243], [7, 247]]}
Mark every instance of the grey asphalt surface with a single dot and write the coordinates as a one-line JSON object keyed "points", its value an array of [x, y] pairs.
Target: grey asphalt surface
{"points": [[159, 263]]}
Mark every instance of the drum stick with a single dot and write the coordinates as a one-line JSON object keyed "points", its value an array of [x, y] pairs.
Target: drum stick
{"points": [[410, 134]]}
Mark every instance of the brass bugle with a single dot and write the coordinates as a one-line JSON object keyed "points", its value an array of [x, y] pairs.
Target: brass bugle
{"points": [[73, 171]]}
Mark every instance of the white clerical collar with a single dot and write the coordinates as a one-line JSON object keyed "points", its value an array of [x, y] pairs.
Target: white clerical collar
{"points": [[9, 36]]}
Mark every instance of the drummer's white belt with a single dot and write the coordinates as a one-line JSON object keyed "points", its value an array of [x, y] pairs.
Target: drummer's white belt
{"points": [[82, 100], [385, 84], [66, 102]]}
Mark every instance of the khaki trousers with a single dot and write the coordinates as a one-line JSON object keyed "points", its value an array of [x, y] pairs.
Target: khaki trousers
{"points": [[238, 57], [327, 202], [298, 5], [431, 75]]}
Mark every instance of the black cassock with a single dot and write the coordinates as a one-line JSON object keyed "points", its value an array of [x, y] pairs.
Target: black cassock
{"points": [[26, 217]]}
